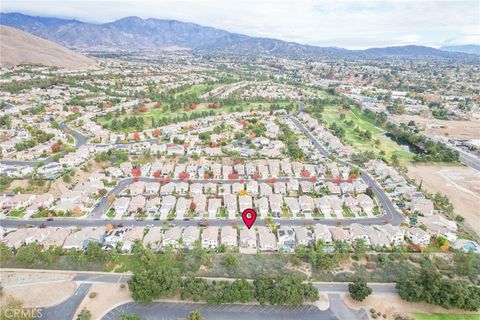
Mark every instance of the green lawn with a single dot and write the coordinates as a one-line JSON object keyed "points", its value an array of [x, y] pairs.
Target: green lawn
{"points": [[17, 213], [111, 213], [158, 113], [353, 138], [445, 316]]}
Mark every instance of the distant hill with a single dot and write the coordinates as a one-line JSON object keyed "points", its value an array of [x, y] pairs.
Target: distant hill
{"points": [[19, 47], [133, 33], [467, 48]]}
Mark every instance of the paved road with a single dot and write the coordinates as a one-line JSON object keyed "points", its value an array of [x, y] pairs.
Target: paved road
{"points": [[80, 140], [391, 214], [66, 309]]}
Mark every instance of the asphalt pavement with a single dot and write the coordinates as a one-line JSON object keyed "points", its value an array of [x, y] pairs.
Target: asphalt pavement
{"points": [[66, 309]]}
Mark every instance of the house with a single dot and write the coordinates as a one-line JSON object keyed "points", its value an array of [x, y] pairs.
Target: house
{"points": [[237, 187], [439, 226], [323, 205], [136, 204], [19, 201], [340, 234], [196, 188], [248, 240], [56, 237], [210, 188], [306, 186], [50, 170], [168, 204], [230, 201], [153, 239], [181, 188], [266, 239], [303, 236], [151, 208], [265, 189], [200, 204], [276, 203], [228, 237], [377, 237], [210, 237], [40, 202], [121, 206], [152, 188], [252, 187], [395, 235], [183, 205], [79, 240], [307, 205], [190, 236], [337, 206], [171, 238], [357, 232], [130, 236], [137, 188], [214, 205], [417, 236], [422, 206], [245, 202], [346, 187], [167, 188], [280, 188], [286, 238], [322, 233], [366, 203], [262, 206], [333, 188], [16, 239], [292, 185]]}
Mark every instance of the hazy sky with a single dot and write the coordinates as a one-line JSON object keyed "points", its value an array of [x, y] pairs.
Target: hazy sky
{"points": [[349, 24]]}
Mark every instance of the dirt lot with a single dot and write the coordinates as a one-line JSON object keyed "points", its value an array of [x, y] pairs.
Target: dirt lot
{"points": [[33, 295], [390, 304], [108, 295], [460, 184], [451, 128], [30, 287]]}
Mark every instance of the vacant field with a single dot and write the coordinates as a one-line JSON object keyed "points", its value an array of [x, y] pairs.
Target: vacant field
{"points": [[353, 138], [460, 184], [451, 128]]}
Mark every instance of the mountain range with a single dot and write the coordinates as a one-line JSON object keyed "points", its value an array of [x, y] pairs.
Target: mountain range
{"points": [[19, 47], [136, 34]]}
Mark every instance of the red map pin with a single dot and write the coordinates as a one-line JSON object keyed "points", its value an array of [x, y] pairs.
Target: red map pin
{"points": [[249, 216]]}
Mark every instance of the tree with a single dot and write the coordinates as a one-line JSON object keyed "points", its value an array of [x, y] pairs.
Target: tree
{"points": [[231, 260], [360, 247], [153, 283], [193, 288], [195, 315], [85, 314], [359, 289]]}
